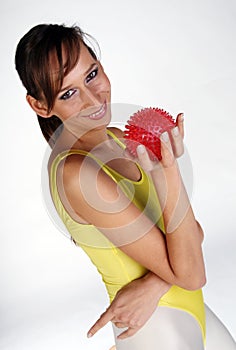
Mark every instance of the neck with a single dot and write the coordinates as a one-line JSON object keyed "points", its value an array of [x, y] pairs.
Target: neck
{"points": [[86, 142]]}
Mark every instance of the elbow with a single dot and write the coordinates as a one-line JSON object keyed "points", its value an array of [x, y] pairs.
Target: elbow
{"points": [[203, 280], [196, 283], [193, 282]]}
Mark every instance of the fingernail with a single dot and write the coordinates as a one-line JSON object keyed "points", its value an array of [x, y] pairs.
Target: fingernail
{"points": [[141, 149], [175, 131], [181, 117], [89, 335], [165, 136]]}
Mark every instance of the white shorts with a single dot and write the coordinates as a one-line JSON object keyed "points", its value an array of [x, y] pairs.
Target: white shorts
{"points": [[174, 329]]}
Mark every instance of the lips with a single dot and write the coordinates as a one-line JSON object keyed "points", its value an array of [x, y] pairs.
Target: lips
{"points": [[98, 114]]}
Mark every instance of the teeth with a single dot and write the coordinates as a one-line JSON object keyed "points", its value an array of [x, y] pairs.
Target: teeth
{"points": [[101, 110], [96, 115]]}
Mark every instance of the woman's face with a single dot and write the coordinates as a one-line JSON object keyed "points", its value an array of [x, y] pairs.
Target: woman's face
{"points": [[84, 99]]}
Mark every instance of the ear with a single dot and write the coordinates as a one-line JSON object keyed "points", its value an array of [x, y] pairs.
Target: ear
{"points": [[39, 107]]}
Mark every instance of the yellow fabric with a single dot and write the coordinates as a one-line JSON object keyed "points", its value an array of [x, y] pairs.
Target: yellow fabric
{"points": [[115, 267]]}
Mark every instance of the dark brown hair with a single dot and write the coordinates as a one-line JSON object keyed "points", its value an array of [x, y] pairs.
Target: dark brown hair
{"points": [[35, 52]]}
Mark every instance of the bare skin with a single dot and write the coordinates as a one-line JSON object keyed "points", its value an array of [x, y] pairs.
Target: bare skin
{"points": [[133, 305], [118, 312], [176, 259]]}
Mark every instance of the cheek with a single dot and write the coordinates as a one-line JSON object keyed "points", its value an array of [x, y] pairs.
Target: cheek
{"points": [[102, 87], [107, 82], [104, 82], [69, 109], [106, 86]]}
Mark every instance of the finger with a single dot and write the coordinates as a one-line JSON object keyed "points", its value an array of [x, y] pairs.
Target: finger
{"points": [[127, 321], [128, 155], [128, 333], [120, 324], [166, 150], [101, 322], [180, 123], [177, 142], [143, 158]]}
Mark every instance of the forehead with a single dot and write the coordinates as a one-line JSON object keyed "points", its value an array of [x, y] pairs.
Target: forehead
{"points": [[85, 58], [82, 68], [68, 57]]}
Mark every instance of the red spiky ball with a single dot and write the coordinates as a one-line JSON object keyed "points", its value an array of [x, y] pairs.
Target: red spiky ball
{"points": [[145, 127]]}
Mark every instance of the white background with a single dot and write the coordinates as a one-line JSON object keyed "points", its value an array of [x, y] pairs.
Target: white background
{"points": [[179, 55]]}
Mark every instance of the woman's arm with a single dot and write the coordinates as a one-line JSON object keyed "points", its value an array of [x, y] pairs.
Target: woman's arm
{"points": [[94, 196], [135, 303], [183, 233]]}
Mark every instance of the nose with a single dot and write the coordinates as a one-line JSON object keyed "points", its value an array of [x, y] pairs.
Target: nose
{"points": [[90, 98]]}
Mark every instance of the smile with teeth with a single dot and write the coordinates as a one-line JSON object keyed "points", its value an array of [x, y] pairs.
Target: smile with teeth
{"points": [[99, 114]]}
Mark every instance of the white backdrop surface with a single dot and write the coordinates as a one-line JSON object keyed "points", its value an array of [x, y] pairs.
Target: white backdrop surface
{"points": [[178, 55]]}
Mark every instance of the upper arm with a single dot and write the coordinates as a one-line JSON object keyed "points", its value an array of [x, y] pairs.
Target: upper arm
{"points": [[97, 199]]}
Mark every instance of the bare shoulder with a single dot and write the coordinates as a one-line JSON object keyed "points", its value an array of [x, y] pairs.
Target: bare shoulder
{"points": [[88, 189], [116, 131], [80, 174], [75, 176], [69, 170]]}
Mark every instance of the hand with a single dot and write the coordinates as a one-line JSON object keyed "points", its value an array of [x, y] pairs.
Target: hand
{"points": [[171, 147], [133, 305]]}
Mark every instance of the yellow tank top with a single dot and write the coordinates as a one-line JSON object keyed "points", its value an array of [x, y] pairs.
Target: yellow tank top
{"points": [[115, 267]]}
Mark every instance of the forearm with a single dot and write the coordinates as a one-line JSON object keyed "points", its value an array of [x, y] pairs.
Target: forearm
{"points": [[183, 233]]}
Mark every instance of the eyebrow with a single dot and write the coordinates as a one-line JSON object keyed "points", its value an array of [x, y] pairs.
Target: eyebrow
{"points": [[85, 73]]}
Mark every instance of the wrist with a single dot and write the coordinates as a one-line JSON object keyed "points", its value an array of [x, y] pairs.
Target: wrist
{"points": [[156, 284]]}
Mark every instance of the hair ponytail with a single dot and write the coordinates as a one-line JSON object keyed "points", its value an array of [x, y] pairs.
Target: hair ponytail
{"points": [[51, 128]]}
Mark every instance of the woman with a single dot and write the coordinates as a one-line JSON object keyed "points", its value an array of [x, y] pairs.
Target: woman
{"points": [[109, 203]]}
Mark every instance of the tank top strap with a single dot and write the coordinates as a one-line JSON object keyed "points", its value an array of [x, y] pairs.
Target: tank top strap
{"points": [[67, 153], [116, 139], [142, 193]]}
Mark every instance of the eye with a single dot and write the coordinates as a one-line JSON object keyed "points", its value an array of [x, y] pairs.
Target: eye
{"points": [[68, 94], [91, 75]]}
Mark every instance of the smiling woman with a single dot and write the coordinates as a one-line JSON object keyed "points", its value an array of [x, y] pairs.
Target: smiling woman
{"points": [[81, 97], [110, 203], [45, 85]]}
